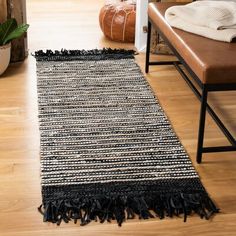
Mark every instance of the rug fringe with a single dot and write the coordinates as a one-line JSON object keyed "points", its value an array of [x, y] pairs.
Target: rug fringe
{"points": [[121, 208], [95, 54]]}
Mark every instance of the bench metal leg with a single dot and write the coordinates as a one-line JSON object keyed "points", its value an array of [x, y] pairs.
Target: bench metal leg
{"points": [[148, 47], [152, 63], [202, 124]]}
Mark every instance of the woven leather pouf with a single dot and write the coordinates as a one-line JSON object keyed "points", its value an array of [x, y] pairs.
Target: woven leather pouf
{"points": [[117, 21]]}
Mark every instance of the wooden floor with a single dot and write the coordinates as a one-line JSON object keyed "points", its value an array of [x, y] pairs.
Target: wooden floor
{"points": [[74, 24]]}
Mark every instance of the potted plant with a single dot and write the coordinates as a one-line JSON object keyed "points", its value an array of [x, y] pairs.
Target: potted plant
{"points": [[9, 30]]}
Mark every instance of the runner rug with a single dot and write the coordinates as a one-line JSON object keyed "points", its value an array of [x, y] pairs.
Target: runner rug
{"points": [[108, 151]]}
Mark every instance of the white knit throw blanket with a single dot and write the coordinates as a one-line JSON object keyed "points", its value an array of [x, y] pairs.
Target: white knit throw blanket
{"points": [[211, 19]]}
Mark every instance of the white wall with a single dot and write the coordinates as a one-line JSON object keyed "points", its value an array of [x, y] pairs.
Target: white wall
{"points": [[141, 21]]}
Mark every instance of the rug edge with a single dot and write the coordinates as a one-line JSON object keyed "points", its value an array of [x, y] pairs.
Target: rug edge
{"points": [[121, 208], [93, 54]]}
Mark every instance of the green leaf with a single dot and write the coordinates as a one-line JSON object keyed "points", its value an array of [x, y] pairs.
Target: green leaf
{"points": [[6, 28], [16, 33]]}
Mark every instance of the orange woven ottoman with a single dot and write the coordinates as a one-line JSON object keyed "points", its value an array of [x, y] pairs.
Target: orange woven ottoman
{"points": [[117, 21]]}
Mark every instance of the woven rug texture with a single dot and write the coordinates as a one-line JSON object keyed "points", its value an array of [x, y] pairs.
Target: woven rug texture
{"points": [[108, 151]]}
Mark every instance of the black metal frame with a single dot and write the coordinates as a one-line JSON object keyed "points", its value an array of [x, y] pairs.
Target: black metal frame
{"points": [[202, 97]]}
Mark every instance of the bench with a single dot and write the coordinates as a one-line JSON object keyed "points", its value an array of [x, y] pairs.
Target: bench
{"points": [[212, 64]]}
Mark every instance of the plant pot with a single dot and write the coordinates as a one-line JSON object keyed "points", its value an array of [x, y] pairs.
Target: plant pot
{"points": [[5, 55]]}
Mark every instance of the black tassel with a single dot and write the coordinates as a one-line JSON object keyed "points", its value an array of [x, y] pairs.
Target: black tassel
{"points": [[95, 54], [120, 208]]}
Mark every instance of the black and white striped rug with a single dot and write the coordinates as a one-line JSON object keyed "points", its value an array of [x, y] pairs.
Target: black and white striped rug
{"points": [[108, 151]]}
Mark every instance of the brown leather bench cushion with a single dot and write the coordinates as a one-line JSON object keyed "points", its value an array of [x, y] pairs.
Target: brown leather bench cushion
{"points": [[214, 62]]}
